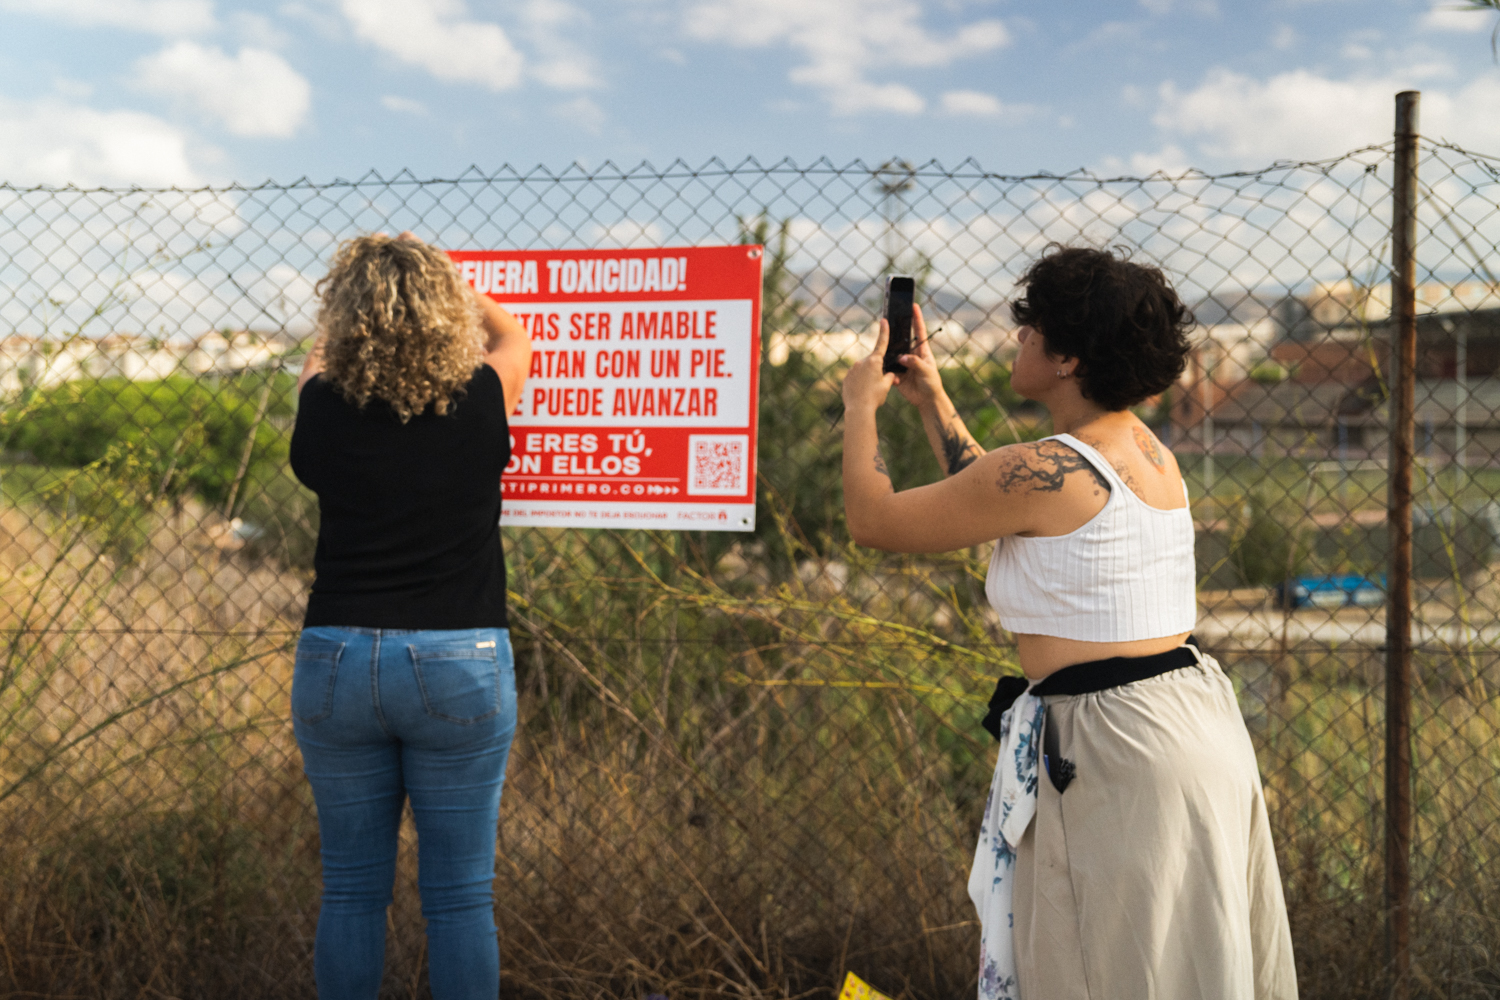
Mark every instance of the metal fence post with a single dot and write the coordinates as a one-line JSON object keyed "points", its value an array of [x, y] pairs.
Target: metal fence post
{"points": [[1399, 612]]}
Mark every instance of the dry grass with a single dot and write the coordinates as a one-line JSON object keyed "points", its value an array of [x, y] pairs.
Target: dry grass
{"points": [[722, 784]]}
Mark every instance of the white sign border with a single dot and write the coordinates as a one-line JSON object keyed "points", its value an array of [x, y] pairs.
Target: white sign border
{"points": [[558, 513]]}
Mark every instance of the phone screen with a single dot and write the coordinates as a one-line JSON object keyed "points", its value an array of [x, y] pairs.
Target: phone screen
{"points": [[900, 293]]}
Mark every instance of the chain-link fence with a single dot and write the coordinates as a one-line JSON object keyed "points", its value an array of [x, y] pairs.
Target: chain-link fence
{"points": [[746, 762]]}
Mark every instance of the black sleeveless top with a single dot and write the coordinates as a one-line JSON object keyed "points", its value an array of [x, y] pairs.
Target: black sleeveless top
{"points": [[410, 513]]}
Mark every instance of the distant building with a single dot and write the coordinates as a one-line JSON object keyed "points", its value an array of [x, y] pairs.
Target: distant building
{"points": [[42, 362], [1344, 309], [1311, 377]]}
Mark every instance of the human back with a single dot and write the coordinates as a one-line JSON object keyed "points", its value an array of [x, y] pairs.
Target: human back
{"points": [[1107, 567], [410, 512], [404, 687]]}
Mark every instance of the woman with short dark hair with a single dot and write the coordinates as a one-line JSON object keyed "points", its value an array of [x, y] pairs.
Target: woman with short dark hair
{"points": [[1141, 864], [404, 685]]}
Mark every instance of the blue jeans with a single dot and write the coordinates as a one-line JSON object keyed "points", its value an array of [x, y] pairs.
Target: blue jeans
{"points": [[380, 715]]}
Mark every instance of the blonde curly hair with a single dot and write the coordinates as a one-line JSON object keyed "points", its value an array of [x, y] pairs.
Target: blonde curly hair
{"points": [[398, 324]]}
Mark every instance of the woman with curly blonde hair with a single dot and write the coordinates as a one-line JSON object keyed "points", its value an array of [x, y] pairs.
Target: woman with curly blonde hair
{"points": [[404, 684]]}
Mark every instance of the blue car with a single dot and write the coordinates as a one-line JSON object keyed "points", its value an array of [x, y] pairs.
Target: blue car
{"points": [[1347, 591]]}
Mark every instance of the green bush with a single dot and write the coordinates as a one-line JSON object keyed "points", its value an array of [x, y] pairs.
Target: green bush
{"points": [[1270, 547], [196, 430], [181, 437]]}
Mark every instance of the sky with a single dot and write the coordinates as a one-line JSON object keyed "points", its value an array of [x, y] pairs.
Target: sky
{"points": [[195, 92]]}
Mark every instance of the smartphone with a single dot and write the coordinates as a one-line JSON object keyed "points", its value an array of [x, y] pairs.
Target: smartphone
{"points": [[900, 293]]}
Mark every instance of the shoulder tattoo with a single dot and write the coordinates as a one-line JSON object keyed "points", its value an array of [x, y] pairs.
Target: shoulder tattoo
{"points": [[1044, 468], [1123, 471], [1121, 468], [1146, 441]]}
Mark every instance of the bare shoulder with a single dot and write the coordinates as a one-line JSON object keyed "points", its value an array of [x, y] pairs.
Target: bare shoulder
{"points": [[1150, 448], [1143, 462], [1122, 466], [1042, 467]]}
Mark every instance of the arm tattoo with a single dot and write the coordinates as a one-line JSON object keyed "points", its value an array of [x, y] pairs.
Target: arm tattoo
{"points": [[958, 453], [1046, 471], [880, 464], [1147, 443]]}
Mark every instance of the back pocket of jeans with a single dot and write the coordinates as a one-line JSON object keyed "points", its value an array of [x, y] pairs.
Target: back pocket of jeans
{"points": [[459, 683], [313, 676]]}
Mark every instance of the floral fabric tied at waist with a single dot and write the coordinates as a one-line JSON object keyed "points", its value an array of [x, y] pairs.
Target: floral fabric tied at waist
{"points": [[1007, 814], [1018, 719]]}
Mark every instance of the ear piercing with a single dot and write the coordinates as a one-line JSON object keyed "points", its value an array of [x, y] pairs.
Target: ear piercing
{"points": [[1061, 373]]}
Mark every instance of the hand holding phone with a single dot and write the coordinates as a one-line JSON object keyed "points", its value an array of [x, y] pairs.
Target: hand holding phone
{"points": [[900, 295]]}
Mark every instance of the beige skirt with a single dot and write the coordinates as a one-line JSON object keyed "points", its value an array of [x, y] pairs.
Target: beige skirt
{"points": [[1153, 877]]}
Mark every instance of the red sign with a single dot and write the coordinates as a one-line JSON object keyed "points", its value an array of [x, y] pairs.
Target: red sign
{"points": [[640, 410]]}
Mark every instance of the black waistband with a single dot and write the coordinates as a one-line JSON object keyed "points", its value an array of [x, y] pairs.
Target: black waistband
{"points": [[1086, 678], [1101, 675]]}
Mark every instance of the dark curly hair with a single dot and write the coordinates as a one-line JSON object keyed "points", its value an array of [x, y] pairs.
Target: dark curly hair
{"points": [[1121, 320]]}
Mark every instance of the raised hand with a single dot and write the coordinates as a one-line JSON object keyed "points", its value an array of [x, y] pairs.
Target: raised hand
{"points": [[865, 385], [921, 385]]}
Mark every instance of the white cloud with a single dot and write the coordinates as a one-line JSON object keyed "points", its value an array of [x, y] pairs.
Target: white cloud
{"points": [[1285, 38], [1160, 8], [1169, 160], [582, 112], [1209, 235], [551, 27], [1301, 115], [840, 39], [186, 302], [258, 30], [855, 96], [317, 18], [436, 36], [55, 142], [73, 90], [1451, 17], [155, 17], [971, 103], [256, 93], [161, 263], [977, 104], [1294, 115], [403, 105], [1112, 34], [626, 233], [288, 295], [1454, 118], [563, 74]]}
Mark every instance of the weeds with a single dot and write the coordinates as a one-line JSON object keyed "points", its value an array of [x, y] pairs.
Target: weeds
{"points": [[724, 782]]}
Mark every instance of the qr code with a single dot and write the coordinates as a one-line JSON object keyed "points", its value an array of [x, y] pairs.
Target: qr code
{"points": [[716, 464]]}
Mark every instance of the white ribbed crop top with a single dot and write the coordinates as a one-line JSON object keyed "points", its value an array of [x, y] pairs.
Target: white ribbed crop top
{"points": [[1127, 574]]}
